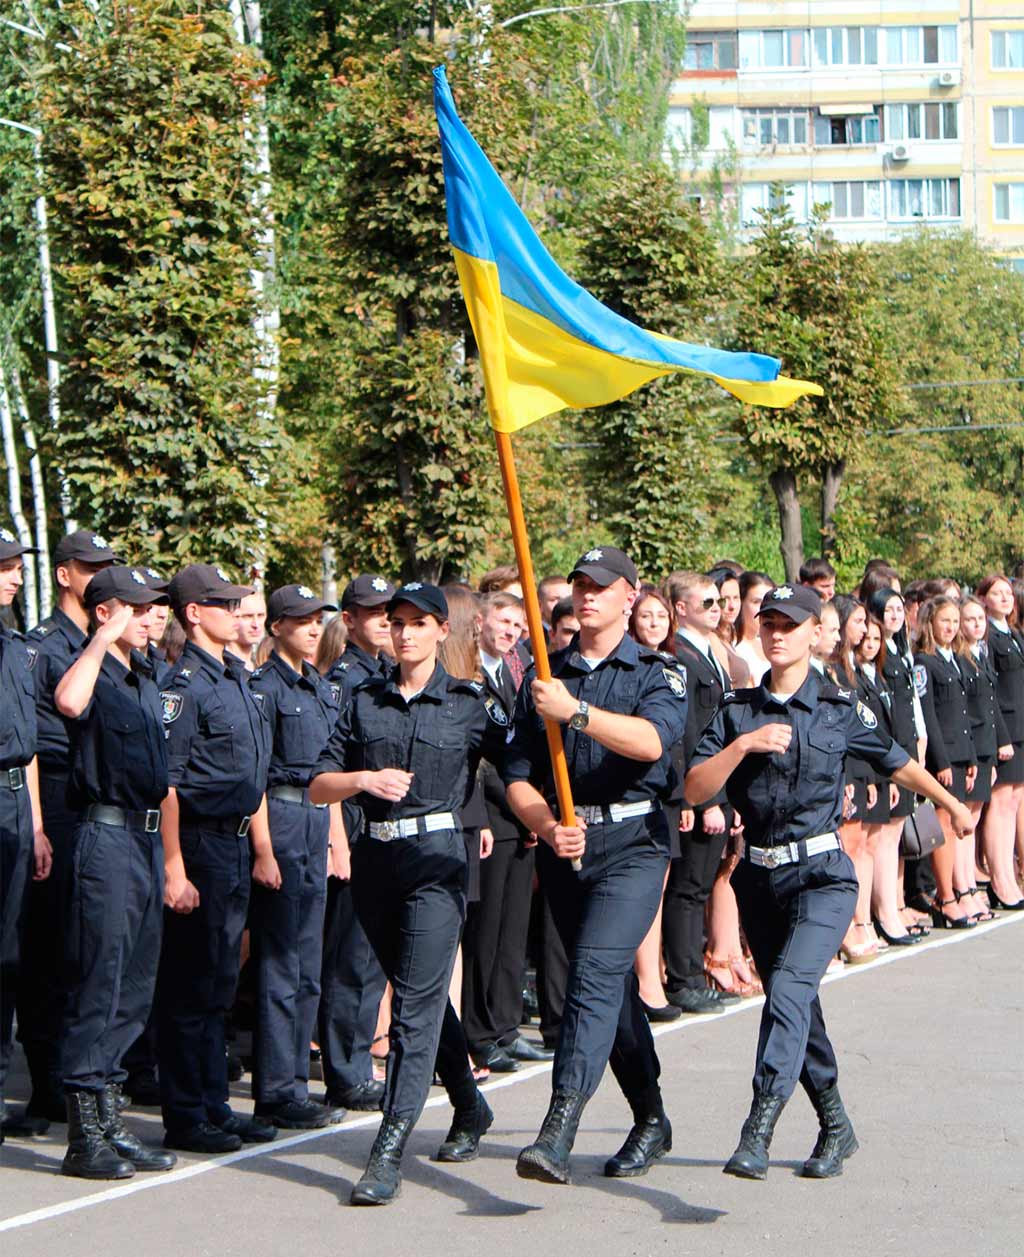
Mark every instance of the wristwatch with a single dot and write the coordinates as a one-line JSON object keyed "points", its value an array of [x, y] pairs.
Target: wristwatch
{"points": [[581, 717]]}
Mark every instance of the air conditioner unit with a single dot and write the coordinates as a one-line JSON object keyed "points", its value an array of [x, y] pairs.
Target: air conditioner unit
{"points": [[900, 152], [949, 78]]}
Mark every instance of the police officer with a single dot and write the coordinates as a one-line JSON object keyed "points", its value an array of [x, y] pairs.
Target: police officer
{"points": [[24, 850], [778, 751], [407, 749], [352, 981], [42, 994], [118, 781], [218, 756], [622, 706], [287, 914]]}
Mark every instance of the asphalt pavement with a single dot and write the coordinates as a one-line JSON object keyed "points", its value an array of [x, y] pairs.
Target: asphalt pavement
{"points": [[930, 1044]]}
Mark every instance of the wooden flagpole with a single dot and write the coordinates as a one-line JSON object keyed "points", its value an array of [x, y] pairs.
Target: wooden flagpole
{"points": [[521, 543]]}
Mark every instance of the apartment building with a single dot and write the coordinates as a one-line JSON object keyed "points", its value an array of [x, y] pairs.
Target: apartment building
{"points": [[893, 114]]}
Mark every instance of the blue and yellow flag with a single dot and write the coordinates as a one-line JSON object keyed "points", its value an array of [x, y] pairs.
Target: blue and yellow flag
{"points": [[546, 343]]}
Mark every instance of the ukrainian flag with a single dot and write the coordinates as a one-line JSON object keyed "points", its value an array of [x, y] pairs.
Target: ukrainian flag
{"points": [[546, 343]]}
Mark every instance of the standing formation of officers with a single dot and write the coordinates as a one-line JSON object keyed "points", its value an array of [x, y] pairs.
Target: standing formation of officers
{"points": [[149, 812]]}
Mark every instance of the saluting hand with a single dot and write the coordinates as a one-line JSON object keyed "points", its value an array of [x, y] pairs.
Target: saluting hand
{"points": [[109, 632], [768, 739], [553, 701], [391, 784]]}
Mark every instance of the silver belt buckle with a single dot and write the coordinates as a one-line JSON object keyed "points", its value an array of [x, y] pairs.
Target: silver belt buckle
{"points": [[16, 778], [243, 829], [389, 830], [153, 821], [772, 857]]}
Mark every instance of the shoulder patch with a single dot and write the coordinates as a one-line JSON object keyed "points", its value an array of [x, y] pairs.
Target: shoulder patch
{"points": [[836, 693], [739, 696], [676, 681], [867, 717], [335, 690], [40, 630], [171, 705], [920, 674], [496, 712], [341, 665]]}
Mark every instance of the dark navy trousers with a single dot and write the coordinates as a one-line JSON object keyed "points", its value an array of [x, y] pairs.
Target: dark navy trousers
{"points": [[286, 942], [15, 875], [794, 918], [198, 977], [411, 898], [112, 950], [602, 915]]}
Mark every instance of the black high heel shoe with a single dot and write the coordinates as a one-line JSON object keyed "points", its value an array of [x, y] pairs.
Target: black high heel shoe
{"points": [[998, 904], [942, 922], [896, 940], [984, 915]]}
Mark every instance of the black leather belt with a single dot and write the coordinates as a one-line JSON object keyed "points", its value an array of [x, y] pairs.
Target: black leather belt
{"points": [[292, 794], [123, 818], [233, 826], [12, 778]]}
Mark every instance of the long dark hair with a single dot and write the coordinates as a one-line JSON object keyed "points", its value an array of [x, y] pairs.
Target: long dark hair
{"points": [[748, 581], [845, 605], [652, 591], [876, 606]]}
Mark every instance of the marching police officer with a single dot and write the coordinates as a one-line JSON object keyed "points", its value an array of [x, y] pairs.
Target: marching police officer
{"points": [[24, 850], [407, 749], [118, 781], [286, 919], [623, 706], [42, 994], [218, 757], [352, 981], [778, 750]]}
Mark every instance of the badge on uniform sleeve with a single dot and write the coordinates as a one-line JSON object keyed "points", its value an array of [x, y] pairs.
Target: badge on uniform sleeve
{"points": [[676, 681], [496, 712], [258, 698], [867, 717], [335, 691], [920, 679], [171, 705], [33, 656]]}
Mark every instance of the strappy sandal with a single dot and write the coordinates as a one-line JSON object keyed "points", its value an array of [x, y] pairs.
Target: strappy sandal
{"points": [[713, 966], [858, 954], [745, 975], [944, 922], [986, 914]]}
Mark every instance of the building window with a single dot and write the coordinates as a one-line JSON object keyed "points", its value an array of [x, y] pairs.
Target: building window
{"points": [[710, 50], [924, 198], [1008, 125], [763, 128], [773, 50], [929, 121], [1008, 50], [921, 45], [853, 199], [755, 196], [1009, 202], [860, 129], [845, 45]]}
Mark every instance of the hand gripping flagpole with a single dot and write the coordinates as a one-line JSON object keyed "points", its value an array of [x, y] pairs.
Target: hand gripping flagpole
{"points": [[521, 544]]}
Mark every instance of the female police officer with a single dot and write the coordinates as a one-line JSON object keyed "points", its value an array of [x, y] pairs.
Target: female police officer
{"points": [[406, 748], [778, 750]]}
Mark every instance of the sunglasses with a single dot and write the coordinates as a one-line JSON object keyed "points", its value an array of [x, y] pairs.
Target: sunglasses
{"points": [[708, 603], [222, 604]]}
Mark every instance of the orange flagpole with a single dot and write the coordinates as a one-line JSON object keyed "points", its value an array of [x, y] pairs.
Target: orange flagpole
{"points": [[521, 544]]}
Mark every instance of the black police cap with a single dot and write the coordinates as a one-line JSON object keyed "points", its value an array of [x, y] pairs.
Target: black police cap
{"points": [[796, 602], [427, 597], [295, 600], [11, 547], [203, 582], [604, 565], [367, 590], [86, 546], [128, 584]]}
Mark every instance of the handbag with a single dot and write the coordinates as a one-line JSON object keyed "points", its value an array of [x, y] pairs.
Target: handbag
{"points": [[922, 833]]}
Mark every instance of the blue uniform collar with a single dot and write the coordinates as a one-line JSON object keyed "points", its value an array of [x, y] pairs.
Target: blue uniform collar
{"points": [[291, 678], [372, 662], [805, 697], [215, 668], [68, 627], [436, 689], [114, 670], [626, 653]]}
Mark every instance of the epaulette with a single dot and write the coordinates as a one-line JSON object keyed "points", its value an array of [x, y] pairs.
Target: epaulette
{"points": [[258, 672], [41, 629], [460, 683], [739, 696], [182, 674], [837, 694], [371, 682]]}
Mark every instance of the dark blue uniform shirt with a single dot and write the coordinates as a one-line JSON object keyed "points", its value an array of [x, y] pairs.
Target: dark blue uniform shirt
{"points": [[354, 667], [301, 712], [58, 640], [632, 681], [18, 726], [438, 736], [118, 750], [798, 794], [218, 744]]}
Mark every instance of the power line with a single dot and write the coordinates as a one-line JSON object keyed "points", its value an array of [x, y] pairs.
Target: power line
{"points": [[1006, 379]]}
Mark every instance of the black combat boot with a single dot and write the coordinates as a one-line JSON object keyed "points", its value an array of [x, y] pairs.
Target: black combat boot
{"points": [[547, 1158], [121, 1139], [650, 1138], [750, 1160], [469, 1123], [836, 1140], [382, 1179], [89, 1155]]}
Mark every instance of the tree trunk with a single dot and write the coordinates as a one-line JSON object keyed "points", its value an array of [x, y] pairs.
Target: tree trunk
{"points": [[14, 501], [791, 544], [831, 482], [328, 573], [44, 577]]}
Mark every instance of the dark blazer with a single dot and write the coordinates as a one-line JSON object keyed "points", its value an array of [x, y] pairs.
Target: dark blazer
{"points": [[944, 702], [500, 818], [899, 680], [704, 690], [876, 697], [988, 727], [1007, 652]]}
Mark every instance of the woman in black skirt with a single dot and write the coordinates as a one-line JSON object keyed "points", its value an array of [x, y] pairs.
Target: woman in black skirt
{"points": [[950, 756], [1006, 650]]}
